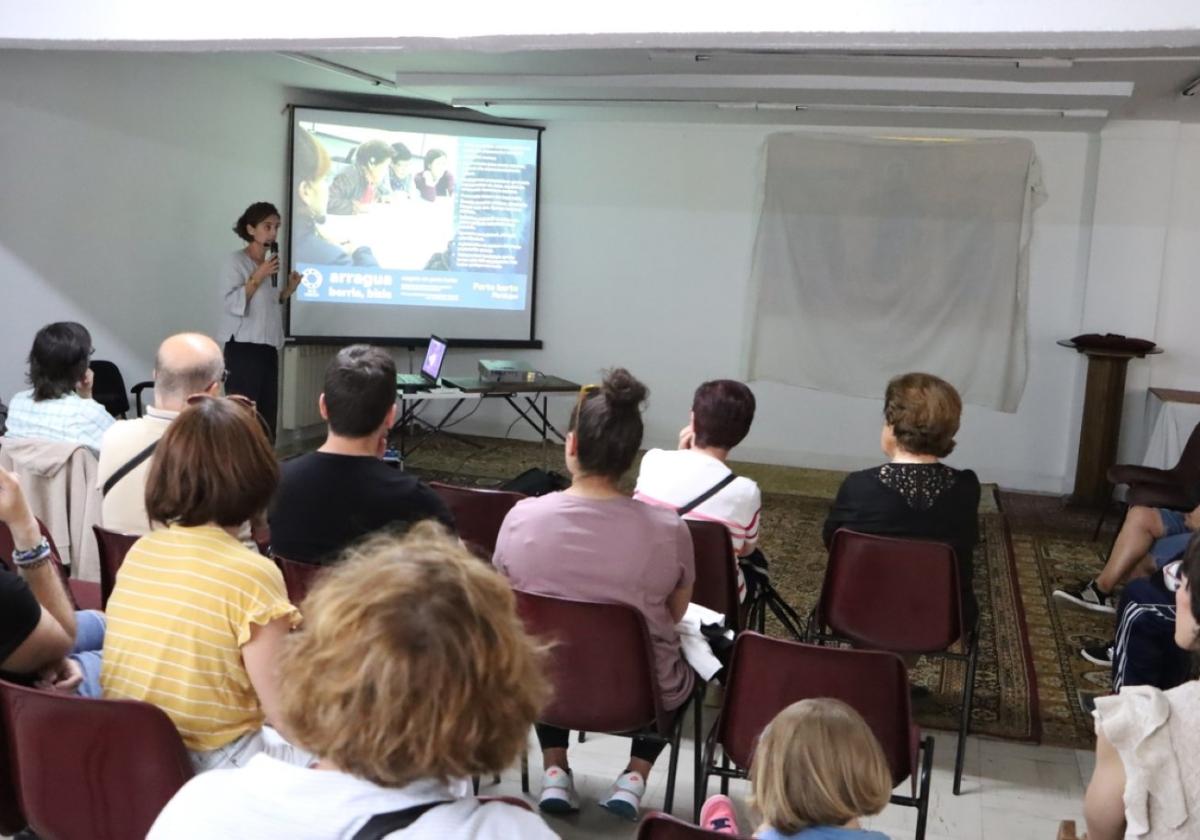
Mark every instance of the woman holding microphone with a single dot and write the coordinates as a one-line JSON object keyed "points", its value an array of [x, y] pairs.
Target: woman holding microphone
{"points": [[252, 310]]}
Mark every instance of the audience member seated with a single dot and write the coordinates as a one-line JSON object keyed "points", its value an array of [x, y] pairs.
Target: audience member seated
{"points": [[186, 364], [1147, 778], [344, 491], [1143, 652], [59, 406], [43, 641], [411, 669], [817, 770], [354, 190], [1149, 539], [915, 495], [196, 619], [722, 411], [593, 543]]}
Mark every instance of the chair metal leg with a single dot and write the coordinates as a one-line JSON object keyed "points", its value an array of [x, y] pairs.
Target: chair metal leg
{"points": [[582, 736], [724, 779], [964, 720], [697, 769], [524, 771], [923, 797], [669, 798], [475, 785]]}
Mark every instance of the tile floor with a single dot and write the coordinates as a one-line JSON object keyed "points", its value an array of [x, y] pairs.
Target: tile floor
{"points": [[1010, 791]]}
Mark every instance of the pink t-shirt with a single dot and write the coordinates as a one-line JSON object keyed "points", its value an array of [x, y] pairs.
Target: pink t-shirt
{"points": [[614, 550]]}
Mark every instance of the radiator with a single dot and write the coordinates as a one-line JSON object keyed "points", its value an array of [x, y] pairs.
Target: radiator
{"points": [[303, 378]]}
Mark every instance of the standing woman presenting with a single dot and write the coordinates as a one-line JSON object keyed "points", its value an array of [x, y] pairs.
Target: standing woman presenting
{"points": [[252, 310]]}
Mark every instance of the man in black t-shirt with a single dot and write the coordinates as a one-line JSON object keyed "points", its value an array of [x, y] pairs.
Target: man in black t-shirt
{"points": [[330, 498], [37, 620]]}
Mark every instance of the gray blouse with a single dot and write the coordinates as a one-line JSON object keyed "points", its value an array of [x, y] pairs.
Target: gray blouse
{"points": [[257, 321]]}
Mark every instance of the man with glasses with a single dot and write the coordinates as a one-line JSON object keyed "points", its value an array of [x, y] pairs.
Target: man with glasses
{"points": [[186, 364]]}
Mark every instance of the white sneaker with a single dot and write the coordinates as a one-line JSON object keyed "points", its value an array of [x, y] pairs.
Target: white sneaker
{"points": [[558, 792], [625, 796]]}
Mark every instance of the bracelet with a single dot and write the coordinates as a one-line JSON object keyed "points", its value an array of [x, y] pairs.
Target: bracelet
{"points": [[31, 556], [34, 564]]}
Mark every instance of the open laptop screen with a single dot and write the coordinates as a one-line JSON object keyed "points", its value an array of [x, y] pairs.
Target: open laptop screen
{"points": [[434, 356]]}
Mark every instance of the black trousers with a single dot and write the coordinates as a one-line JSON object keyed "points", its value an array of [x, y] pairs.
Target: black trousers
{"points": [[550, 737], [254, 373]]}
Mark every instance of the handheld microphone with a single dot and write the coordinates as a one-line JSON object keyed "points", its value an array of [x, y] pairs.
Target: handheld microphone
{"points": [[273, 248]]}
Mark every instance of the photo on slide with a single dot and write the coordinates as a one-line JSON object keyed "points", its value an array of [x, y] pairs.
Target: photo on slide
{"points": [[412, 218]]}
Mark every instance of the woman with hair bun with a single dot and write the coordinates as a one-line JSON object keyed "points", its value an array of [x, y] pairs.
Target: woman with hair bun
{"points": [[594, 543], [915, 495]]}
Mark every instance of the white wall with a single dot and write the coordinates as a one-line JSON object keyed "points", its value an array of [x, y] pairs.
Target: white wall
{"points": [[123, 174]]}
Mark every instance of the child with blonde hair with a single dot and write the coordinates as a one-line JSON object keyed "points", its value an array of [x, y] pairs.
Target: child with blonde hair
{"points": [[817, 770]]}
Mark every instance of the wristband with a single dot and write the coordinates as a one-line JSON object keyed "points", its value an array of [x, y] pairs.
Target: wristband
{"points": [[32, 556]]}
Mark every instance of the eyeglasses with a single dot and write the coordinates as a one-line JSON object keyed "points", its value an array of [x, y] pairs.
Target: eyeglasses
{"points": [[243, 401], [1173, 577], [579, 400], [239, 399]]}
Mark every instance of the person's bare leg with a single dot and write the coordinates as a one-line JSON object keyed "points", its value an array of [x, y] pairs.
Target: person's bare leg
{"points": [[1142, 527], [555, 757], [639, 765]]}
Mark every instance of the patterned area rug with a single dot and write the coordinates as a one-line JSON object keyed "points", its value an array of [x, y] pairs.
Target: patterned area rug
{"points": [[795, 502], [1052, 546]]}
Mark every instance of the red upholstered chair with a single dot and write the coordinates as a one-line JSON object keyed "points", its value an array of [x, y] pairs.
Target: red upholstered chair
{"points": [[510, 800], [665, 827], [114, 545], [297, 577], [602, 672], [478, 514], [94, 769], [12, 819], [84, 595], [901, 596], [767, 675], [716, 570]]}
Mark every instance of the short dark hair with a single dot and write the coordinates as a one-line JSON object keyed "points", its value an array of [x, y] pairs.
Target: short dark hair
{"points": [[372, 152], [213, 464], [58, 360], [607, 422], [255, 214], [400, 152], [722, 411], [360, 389], [1190, 567], [432, 155], [923, 411]]}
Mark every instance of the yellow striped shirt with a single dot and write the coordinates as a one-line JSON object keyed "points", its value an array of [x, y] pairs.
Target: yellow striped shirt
{"points": [[179, 614]]}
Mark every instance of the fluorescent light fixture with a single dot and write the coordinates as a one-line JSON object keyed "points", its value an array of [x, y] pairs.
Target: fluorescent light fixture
{"points": [[755, 56], [822, 107], [727, 81]]}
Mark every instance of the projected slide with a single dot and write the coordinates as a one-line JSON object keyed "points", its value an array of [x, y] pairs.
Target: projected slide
{"points": [[402, 226]]}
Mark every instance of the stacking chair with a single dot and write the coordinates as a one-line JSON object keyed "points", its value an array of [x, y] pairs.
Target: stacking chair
{"points": [[91, 769], [12, 820], [767, 675], [478, 514], [902, 596], [716, 570], [297, 577], [664, 827], [602, 672], [108, 388], [114, 545], [1174, 489], [85, 595]]}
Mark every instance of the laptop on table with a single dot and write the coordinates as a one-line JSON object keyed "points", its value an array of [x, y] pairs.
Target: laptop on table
{"points": [[431, 369]]}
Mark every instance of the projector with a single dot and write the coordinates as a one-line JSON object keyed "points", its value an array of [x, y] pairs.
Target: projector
{"points": [[501, 371]]}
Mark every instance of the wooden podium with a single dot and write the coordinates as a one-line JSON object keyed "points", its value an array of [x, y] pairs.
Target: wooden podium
{"points": [[1100, 427]]}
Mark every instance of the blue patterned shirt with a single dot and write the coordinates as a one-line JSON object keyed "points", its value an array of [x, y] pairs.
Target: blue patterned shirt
{"points": [[69, 418]]}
